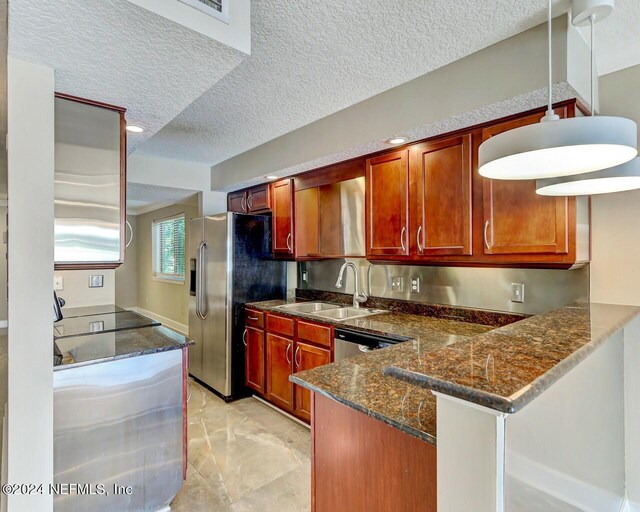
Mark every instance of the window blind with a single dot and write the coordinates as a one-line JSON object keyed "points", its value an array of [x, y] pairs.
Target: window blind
{"points": [[169, 248]]}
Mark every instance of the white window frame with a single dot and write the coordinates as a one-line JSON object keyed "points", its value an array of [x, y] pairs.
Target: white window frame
{"points": [[155, 251], [222, 16]]}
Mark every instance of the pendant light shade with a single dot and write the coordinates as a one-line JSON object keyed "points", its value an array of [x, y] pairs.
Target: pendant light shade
{"points": [[616, 179], [562, 147]]}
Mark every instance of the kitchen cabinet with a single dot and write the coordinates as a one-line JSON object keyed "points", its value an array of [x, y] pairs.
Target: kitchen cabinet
{"points": [[387, 205], [279, 366], [515, 219], [306, 357], [282, 202], [253, 200], [307, 222], [90, 184], [254, 359], [440, 191]]}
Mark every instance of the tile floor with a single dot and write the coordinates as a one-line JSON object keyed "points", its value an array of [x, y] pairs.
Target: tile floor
{"points": [[243, 456]]}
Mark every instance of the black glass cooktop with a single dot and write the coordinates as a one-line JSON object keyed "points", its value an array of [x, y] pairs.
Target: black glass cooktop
{"points": [[91, 310]]}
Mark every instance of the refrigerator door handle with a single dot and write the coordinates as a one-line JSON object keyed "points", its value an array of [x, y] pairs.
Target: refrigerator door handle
{"points": [[201, 294]]}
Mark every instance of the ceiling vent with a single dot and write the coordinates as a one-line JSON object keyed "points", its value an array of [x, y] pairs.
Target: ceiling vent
{"points": [[217, 8]]}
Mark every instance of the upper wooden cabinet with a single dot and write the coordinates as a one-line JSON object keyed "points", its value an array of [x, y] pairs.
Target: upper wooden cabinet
{"points": [[387, 205], [282, 208], [254, 200], [440, 191], [307, 222], [516, 220], [90, 184]]}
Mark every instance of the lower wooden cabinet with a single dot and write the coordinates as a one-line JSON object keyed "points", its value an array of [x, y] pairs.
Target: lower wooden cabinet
{"points": [[254, 359], [307, 357], [279, 367], [283, 347]]}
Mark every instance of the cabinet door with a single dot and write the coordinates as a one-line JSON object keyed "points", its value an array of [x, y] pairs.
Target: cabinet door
{"points": [[258, 198], [388, 205], [237, 202], [441, 197], [279, 367], [254, 359], [306, 357], [307, 224], [516, 220], [282, 207]]}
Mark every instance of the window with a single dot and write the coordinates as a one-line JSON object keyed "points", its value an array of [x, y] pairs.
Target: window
{"points": [[168, 248]]}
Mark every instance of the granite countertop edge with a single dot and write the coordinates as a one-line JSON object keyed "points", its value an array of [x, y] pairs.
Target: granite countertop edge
{"points": [[407, 429]]}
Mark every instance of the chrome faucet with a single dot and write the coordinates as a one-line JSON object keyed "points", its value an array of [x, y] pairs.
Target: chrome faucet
{"points": [[358, 296]]}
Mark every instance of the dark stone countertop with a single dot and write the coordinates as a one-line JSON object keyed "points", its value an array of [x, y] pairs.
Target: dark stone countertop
{"points": [[358, 382], [504, 369], [108, 346]]}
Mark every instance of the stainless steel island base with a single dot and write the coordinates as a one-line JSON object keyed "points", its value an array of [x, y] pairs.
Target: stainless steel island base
{"points": [[118, 432]]}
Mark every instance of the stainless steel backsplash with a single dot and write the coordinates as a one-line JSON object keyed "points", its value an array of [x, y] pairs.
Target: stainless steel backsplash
{"points": [[485, 288]]}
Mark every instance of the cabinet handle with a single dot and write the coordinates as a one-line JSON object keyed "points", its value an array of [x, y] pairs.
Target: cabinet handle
{"points": [[244, 337], [289, 346], [404, 249], [253, 318], [418, 238], [486, 240], [250, 202], [243, 203], [289, 243], [295, 357]]}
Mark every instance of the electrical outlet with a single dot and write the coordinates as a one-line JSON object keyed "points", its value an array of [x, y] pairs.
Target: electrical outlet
{"points": [[517, 292], [397, 283], [58, 283], [415, 285], [96, 281]]}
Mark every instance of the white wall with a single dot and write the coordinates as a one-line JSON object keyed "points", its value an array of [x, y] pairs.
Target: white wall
{"points": [[31, 174], [166, 172], [615, 276]]}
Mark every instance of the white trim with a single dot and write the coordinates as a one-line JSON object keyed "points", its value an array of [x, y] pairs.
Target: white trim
{"points": [[167, 322], [169, 280], [500, 462]]}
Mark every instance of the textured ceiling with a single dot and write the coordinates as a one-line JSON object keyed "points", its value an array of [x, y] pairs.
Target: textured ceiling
{"points": [[116, 52]]}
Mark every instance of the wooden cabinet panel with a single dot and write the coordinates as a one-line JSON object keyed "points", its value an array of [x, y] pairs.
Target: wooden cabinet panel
{"points": [[387, 205], [315, 333], [282, 207], [374, 467], [307, 357], [279, 367], [237, 202], [516, 220], [254, 359], [253, 318], [280, 325], [258, 198], [440, 190], [307, 212]]}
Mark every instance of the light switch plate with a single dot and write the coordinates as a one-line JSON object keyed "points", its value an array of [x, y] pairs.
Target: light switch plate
{"points": [[96, 281], [58, 283], [397, 283], [517, 292]]}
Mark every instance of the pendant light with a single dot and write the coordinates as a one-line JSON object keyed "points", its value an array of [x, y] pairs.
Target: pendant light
{"points": [[615, 179], [560, 147]]}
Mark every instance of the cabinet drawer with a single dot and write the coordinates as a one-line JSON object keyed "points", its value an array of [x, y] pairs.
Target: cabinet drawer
{"points": [[253, 318], [280, 325], [315, 333]]}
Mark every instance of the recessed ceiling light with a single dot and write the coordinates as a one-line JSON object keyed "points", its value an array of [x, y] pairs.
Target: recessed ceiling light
{"points": [[271, 177], [396, 140], [134, 129]]}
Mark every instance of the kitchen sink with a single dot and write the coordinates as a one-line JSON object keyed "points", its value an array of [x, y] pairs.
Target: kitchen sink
{"points": [[347, 313], [309, 307]]}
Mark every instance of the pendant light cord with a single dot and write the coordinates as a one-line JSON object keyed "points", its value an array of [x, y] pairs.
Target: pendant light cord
{"points": [[550, 115], [592, 20]]}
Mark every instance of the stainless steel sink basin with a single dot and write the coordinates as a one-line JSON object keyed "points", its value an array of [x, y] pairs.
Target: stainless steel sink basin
{"points": [[309, 307], [346, 313]]}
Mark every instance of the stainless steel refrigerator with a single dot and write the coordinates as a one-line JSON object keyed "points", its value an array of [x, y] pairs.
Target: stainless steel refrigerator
{"points": [[230, 264]]}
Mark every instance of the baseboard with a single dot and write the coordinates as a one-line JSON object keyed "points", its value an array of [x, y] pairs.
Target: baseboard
{"points": [[167, 322]]}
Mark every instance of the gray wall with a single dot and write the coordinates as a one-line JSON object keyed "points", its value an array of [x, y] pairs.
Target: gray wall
{"points": [[485, 288], [126, 275]]}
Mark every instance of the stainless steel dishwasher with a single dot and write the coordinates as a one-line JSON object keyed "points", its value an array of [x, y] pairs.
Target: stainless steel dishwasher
{"points": [[349, 343]]}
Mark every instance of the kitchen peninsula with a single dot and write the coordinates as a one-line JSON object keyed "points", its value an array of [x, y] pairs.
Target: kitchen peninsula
{"points": [[119, 409], [507, 400]]}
